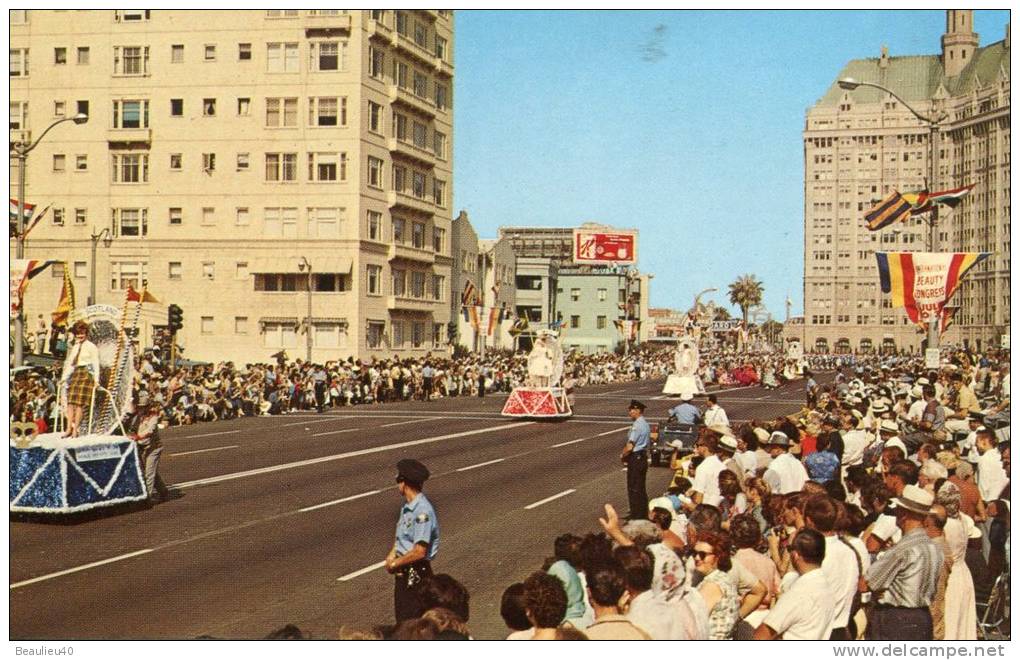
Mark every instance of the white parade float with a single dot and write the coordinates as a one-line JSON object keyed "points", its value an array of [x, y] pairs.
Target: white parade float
{"points": [[685, 378], [543, 396]]}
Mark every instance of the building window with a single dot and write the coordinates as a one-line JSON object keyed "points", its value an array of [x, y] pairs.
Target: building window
{"points": [[417, 284], [131, 60], [398, 230], [440, 49], [18, 115], [328, 55], [575, 321], [241, 219], [575, 295], [418, 235], [130, 168], [600, 322], [439, 145], [282, 58], [80, 268], [176, 216], [208, 107], [242, 162], [281, 13], [281, 113], [241, 270], [373, 277], [208, 270], [131, 15], [402, 73], [421, 34], [375, 172], [280, 335], [129, 114], [280, 222], [441, 97], [176, 107], [399, 177], [60, 56], [83, 55], [397, 328], [438, 240], [398, 278], [421, 85], [207, 325], [243, 107], [324, 222], [420, 135], [601, 295], [418, 184], [417, 334], [327, 111], [281, 167], [174, 270], [131, 223], [375, 333], [20, 16], [376, 62], [208, 163], [375, 117], [244, 52], [19, 62], [81, 217], [439, 192], [176, 162], [402, 23], [177, 53], [210, 52], [58, 217], [438, 288], [374, 225], [83, 107], [124, 274], [81, 163], [327, 167], [208, 216], [240, 325]]}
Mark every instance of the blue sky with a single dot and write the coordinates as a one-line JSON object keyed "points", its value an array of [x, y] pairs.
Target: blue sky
{"points": [[683, 124]]}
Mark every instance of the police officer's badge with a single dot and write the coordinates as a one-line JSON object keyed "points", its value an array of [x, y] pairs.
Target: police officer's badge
{"points": [[422, 518]]}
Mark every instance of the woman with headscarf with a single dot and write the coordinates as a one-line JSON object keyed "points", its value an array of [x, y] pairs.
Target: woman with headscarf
{"points": [[81, 373], [961, 608]]}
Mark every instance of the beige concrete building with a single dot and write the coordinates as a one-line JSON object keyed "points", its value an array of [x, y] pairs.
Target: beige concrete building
{"points": [[860, 145], [226, 148], [488, 264]]}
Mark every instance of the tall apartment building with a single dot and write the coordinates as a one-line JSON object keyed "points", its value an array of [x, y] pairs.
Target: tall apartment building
{"points": [[860, 145], [227, 149]]}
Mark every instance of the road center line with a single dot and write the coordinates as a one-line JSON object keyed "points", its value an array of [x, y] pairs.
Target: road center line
{"points": [[478, 465], [568, 442], [316, 421], [348, 454], [199, 451], [367, 569], [209, 435], [550, 499], [590, 437], [410, 421], [339, 501], [315, 435], [83, 567]]}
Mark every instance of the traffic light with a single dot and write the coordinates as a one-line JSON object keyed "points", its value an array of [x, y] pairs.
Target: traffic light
{"points": [[174, 318]]}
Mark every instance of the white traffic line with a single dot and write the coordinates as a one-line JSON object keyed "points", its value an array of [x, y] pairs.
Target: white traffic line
{"points": [[478, 465], [410, 421], [550, 499], [347, 454], [83, 567], [568, 442], [316, 421], [590, 437], [209, 435], [202, 451], [367, 569], [315, 435], [339, 501]]}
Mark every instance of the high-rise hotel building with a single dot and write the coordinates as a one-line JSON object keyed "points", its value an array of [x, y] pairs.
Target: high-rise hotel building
{"points": [[225, 152], [860, 145]]}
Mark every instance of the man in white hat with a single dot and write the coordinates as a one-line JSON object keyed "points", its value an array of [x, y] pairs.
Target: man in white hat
{"points": [[785, 473], [906, 576], [686, 412]]}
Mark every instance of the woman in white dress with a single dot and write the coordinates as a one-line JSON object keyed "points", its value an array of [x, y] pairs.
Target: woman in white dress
{"points": [[961, 608]]}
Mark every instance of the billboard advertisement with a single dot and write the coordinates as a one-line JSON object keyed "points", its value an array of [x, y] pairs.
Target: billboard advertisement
{"points": [[605, 247]]}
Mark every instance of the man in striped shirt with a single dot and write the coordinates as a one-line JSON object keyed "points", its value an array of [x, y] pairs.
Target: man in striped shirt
{"points": [[906, 576]]}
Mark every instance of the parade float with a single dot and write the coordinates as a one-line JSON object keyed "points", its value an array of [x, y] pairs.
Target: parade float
{"points": [[97, 464], [543, 396], [685, 378]]}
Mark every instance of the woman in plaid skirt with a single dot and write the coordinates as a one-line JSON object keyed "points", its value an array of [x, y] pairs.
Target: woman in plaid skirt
{"points": [[81, 369]]}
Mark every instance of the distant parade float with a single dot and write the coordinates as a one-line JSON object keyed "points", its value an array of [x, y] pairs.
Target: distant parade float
{"points": [[543, 396], [685, 378], [81, 468]]}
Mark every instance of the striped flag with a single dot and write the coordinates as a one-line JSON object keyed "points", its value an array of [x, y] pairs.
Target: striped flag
{"points": [[38, 216], [891, 209], [952, 198], [495, 316], [29, 209], [473, 314], [470, 293], [923, 282], [520, 325], [66, 303], [23, 270]]}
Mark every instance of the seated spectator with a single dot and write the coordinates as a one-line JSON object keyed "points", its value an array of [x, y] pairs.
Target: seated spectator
{"points": [[606, 590]]}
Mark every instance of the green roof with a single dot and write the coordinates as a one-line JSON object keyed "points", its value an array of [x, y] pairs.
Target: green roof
{"points": [[917, 77]]}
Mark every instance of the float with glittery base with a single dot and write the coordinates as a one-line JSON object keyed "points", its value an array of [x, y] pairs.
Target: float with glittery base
{"points": [[542, 397]]}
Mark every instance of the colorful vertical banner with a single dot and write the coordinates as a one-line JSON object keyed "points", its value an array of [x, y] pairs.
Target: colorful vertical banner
{"points": [[923, 282], [23, 270]]}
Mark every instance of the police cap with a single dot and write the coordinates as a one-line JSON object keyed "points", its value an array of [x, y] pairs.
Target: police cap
{"points": [[412, 471], [635, 404]]}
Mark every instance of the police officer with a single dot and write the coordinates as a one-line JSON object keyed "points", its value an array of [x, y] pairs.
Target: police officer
{"points": [[417, 540], [635, 457]]}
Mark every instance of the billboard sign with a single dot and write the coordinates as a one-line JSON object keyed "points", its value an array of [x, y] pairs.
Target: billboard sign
{"points": [[605, 247]]}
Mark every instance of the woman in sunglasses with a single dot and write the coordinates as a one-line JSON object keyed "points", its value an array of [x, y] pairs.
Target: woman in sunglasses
{"points": [[712, 559]]}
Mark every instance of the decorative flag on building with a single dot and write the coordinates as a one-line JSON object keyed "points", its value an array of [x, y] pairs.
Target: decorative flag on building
{"points": [[923, 282], [925, 201], [38, 216], [495, 319], [898, 207], [473, 313], [29, 209], [465, 314], [22, 270], [948, 317], [66, 303], [891, 209], [470, 293], [520, 325], [140, 297]]}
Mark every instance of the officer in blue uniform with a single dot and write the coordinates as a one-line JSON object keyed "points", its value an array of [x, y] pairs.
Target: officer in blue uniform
{"points": [[417, 540], [686, 412], [635, 457]]}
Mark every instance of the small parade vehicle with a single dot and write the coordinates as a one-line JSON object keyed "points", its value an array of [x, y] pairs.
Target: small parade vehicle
{"points": [[670, 436]]}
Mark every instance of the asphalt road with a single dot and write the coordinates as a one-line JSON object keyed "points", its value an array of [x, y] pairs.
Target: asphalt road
{"points": [[287, 519]]}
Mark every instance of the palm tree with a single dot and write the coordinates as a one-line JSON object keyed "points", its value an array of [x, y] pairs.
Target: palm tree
{"points": [[746, 292], [721, 314]]}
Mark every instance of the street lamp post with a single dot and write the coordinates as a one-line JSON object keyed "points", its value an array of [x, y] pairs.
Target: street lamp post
{"points": [[21, 151], [933, 170], [306, 265], [107, 241]]}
